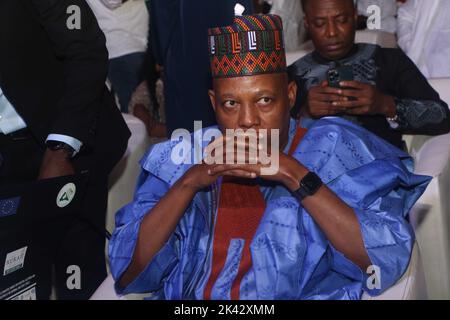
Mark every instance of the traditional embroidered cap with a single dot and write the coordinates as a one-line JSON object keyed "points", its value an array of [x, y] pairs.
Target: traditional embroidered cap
{"points": [[252, 45]]}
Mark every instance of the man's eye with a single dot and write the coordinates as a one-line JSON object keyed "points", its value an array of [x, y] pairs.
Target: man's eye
{"points": [[229, 104], [319, 23], [342, 19], [265, 101]]}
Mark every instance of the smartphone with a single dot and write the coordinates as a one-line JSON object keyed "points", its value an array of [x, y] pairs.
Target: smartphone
{"points": [[338, 74]]}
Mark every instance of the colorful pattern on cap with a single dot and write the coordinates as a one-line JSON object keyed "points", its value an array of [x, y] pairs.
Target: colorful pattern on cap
{"points": [[252, 45]]}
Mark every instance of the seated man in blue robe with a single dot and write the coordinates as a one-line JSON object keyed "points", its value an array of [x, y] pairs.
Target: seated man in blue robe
{"points": [[330, 222]]}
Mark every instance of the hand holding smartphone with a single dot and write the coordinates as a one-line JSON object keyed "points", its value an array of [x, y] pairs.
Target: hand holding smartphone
{"points": [[341, 73]]}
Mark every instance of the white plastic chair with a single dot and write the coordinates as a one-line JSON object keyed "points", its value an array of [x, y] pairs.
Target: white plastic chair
{"points": [[123, 179], [431, 215], [106, 292]]}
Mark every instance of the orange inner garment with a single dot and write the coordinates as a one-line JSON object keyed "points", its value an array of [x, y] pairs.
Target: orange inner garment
{"points": [[241, 208]]}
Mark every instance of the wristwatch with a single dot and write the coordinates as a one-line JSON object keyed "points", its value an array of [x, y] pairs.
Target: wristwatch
{"points": [[58, 145], [309, 185], [398, 120]]}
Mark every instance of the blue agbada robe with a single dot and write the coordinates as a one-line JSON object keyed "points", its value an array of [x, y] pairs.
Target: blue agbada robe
{"points": [[291, 257]]}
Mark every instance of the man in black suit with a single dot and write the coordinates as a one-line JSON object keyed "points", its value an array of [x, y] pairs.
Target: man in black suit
{"points": [[57, 118]]}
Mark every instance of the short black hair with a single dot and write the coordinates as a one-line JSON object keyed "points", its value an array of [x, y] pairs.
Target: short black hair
{"points": [[305, 2]]}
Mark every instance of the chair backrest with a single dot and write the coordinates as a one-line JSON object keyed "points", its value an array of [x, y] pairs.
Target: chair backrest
{"points": [[382, 38], [122, 180], [430, 216], [442, 85], [422, 147]]}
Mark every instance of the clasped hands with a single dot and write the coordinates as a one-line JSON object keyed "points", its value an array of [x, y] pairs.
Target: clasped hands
{"points": [[288, 170]]}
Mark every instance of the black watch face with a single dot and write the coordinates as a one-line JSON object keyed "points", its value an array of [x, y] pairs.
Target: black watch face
{"points": [[311, 182]]}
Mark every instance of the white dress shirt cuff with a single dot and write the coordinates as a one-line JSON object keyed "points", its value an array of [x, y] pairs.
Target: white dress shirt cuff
{"points": [[74, 143]]}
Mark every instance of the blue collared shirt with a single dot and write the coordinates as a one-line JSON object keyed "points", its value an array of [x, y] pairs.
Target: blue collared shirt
{"points": [[11, 121]]}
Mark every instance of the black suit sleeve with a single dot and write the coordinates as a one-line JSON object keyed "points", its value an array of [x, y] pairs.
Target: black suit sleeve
{"points": [[84, 56], [419, 107]]}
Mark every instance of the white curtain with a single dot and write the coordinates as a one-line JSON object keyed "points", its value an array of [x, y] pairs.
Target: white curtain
{"points": [[424, 34], [291, 13]]}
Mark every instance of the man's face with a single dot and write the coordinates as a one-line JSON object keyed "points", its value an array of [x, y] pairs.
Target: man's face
{"points": [[332, 26], [254, 102]]}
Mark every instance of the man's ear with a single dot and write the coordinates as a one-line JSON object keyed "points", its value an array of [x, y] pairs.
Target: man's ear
{"points": [[212, 97], [305, 22], [292, 93]]}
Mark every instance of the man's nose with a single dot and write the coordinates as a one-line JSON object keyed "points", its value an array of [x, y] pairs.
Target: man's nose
{"points": [[331, 29], [248, 117]]}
